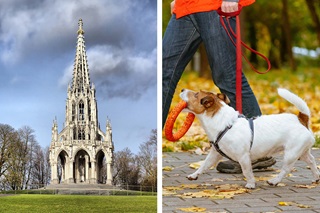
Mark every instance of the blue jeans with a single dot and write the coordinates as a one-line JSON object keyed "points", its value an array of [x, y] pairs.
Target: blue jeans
{"points": [[182, 39]]}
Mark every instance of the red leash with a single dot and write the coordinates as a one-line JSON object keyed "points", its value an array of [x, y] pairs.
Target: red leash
{"points": [[239, 54]]}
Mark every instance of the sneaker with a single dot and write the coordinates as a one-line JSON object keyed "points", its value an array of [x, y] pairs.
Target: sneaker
{"points": [[235, 168]]}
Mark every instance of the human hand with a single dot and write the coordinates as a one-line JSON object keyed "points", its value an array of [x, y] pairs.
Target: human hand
{"points": [[172, 5], [229, 7]]}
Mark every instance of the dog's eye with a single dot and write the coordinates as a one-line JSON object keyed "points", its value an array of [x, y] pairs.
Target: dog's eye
{"points": [[196, 95]]}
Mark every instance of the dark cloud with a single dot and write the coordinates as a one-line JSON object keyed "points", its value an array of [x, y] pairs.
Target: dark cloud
{"points": [[46, 27], [120, 40]]}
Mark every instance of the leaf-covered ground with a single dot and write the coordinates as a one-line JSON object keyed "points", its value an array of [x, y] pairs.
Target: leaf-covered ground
{"points": [[304, 83]]}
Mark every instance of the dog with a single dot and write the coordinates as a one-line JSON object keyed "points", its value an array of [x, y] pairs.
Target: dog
{"points": [[287, 133]]}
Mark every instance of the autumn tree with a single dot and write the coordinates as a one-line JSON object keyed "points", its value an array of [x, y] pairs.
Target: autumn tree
{"points": [[7, 136], [314, 16], [23, 162]]}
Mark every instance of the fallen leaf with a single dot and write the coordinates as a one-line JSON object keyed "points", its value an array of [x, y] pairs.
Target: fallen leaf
{"points": [[193, 209], [221, 192], [167, 168], [168, 192], [303, 206], [191, 186], [172, 188], [281, 184], [196, 165], [305, 186], [282, 203]]}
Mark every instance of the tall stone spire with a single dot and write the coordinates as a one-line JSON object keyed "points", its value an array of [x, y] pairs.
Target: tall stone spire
{"points": [[81, 79], [81, 150]]}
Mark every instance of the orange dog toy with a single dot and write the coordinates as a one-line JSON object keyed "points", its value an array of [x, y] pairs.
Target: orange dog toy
{"points": [[171, 120]]}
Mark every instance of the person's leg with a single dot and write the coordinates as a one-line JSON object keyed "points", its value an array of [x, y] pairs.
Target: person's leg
{"points": [[222, 59], [180, 42]]}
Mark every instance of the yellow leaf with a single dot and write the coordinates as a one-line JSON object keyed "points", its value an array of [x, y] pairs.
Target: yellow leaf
{"points": [[196, 165], [172, 188], [191, 186], [167, 168], [193, 209], [305, 186], [281, 203], [303, 206]]}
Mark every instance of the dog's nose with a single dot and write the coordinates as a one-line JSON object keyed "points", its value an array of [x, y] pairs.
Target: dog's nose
{"points": [[182, 90]]}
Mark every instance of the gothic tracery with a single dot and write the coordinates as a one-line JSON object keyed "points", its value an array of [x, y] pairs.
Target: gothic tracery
{"points": [[81, 135]]}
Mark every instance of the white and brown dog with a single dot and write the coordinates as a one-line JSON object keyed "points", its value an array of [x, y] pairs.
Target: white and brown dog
{"points": [[272, 133]]}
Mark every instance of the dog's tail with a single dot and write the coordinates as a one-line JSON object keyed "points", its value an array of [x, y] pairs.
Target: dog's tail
{"points": [[302, 106]]}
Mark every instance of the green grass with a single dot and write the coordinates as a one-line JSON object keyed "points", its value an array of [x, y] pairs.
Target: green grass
{"points": [[77, 203], [317, 143]]}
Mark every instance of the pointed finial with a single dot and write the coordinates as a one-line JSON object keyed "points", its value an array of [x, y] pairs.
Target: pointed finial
{"points": [[80, 31]]}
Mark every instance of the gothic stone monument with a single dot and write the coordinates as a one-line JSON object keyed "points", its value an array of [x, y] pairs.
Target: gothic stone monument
{"points": [[81, 152]]}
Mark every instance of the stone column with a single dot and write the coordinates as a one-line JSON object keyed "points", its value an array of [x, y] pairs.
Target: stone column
{"points": [[93, 178], [109, 174], [54, 176], [86, 168], [70, 173], [76, 168]]}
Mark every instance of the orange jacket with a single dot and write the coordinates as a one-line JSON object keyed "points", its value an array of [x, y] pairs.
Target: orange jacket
{"points": [[186, 7]]}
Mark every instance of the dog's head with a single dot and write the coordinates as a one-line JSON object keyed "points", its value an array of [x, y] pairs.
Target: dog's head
{"points": [[200, 102]]}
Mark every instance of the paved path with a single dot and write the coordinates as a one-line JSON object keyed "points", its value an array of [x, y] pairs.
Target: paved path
{"points": [[264, 199]]}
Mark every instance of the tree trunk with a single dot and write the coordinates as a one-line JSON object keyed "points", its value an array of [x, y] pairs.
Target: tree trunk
{"points": [[287, 35], [315, 17]]}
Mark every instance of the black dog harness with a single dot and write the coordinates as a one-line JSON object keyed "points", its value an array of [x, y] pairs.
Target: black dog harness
{"points": [[222, 133]]}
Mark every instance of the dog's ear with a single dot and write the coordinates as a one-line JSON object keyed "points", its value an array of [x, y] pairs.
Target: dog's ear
{"points": [[224, 98], [207, 101]]}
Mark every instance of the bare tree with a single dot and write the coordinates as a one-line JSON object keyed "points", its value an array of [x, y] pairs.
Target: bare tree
{"points": [[148, 160], [28, 149], [126, 170], [41, 167]]}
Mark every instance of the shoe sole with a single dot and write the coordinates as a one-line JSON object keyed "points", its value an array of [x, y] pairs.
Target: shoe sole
{"points": [[258, 164]]}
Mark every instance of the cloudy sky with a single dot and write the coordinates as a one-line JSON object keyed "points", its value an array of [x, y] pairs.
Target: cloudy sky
{"points": [[37, 50]]}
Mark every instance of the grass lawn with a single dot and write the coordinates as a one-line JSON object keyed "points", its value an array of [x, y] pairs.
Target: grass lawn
{"points": [[77, 203]]}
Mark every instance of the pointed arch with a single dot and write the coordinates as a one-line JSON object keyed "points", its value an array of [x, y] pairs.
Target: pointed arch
{"points": [[81, 110], [82, 166], [101, 167], [82, 148], [73, 111], [62, 162]]}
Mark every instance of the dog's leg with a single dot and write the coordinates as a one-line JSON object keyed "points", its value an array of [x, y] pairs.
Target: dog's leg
{"points": [[245, 163], [288, 163], [211, 160], [309, 159]]}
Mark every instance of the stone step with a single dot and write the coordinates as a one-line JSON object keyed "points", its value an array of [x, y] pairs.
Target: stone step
{"points": [[84, 186]]}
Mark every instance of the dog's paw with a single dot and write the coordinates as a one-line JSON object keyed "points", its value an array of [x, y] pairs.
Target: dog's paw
{"points": [[192, 177], [250, 185], [273, 182]]}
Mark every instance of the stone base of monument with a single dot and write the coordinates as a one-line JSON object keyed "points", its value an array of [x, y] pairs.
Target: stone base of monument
{"points": [[83, 189]]}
